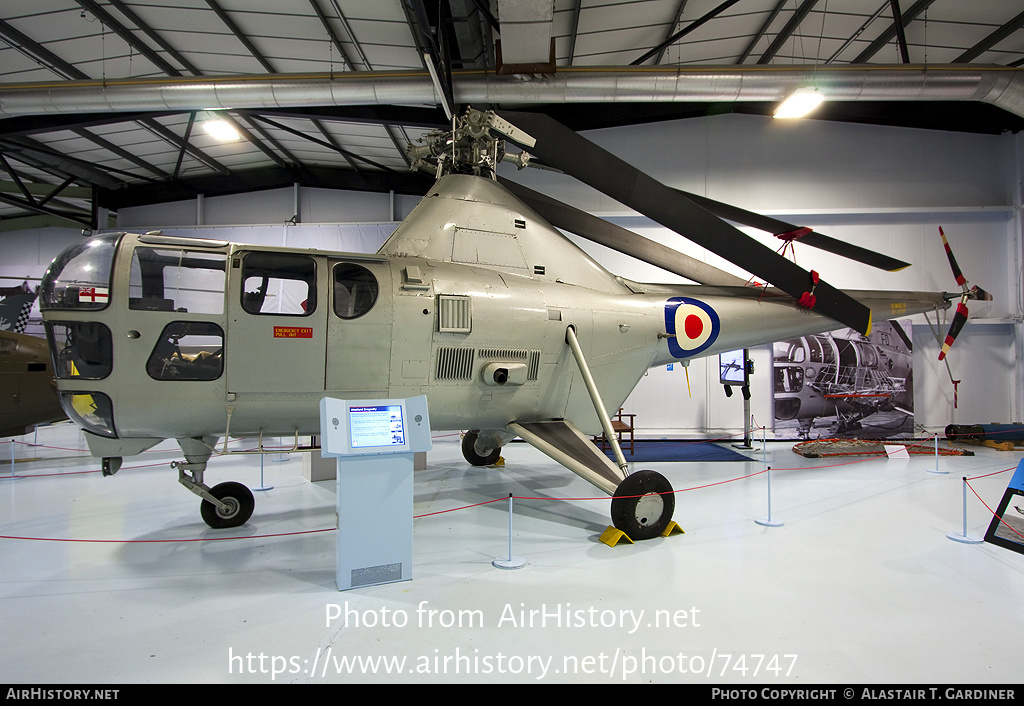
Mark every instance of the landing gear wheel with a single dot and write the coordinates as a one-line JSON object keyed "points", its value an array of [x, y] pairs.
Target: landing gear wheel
{"points": [[470, 454], [643, 505], [240, 506]]}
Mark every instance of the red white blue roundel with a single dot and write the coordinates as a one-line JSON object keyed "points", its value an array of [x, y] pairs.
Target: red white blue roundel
{"points": [[695, 325]]}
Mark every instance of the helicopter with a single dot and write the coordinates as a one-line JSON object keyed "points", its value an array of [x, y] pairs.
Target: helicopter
{"points": [[15, 306], [477, 300], [29, 395]]}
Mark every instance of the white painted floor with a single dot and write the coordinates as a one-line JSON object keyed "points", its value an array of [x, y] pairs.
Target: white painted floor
{"points": [[860, 585]]}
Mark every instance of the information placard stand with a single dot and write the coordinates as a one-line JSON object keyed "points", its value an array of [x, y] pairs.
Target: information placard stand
{"points": [[374, 442]]}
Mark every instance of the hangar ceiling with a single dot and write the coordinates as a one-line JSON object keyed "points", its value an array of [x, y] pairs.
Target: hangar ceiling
{"points": [[101, 101]]}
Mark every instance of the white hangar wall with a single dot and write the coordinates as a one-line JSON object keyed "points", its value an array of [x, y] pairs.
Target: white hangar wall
{"points": [[887, 189]]}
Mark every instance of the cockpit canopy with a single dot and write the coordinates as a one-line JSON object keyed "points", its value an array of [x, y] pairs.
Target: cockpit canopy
{"points": [[79, 278]]}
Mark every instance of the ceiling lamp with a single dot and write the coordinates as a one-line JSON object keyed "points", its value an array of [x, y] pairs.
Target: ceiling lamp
{"points": [[801, 102], [219, 128]]}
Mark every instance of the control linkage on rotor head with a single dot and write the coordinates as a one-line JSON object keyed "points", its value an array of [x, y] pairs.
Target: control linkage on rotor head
{"points": [[474, 145]]}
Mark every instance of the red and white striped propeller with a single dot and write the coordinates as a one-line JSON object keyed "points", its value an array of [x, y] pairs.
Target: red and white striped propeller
{"points": [[960, 317]]}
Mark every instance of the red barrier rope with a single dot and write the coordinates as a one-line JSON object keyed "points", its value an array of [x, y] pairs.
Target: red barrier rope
{"points": [[993, 473], [1001, 520], [464, 507]]}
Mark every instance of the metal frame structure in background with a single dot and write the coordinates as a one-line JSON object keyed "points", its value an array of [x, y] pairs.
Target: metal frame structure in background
{"points": [[935, 63]]}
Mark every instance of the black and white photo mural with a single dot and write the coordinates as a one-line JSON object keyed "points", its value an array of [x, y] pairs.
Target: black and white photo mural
{"points": [[845, 385]]}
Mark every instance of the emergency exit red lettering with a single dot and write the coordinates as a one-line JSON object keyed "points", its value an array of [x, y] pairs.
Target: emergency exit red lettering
{"points": [[292, 332]]}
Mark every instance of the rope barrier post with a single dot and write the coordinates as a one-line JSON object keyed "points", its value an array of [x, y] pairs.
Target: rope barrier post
{"points": [[964, 538], [12, 475], [937, 470], [282, 455], [512, 562], [764, 443], [768, 521], [263, 486]]}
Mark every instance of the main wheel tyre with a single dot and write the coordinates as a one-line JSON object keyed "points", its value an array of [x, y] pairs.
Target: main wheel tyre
{"points": [[643, 505], [470, 454], [240, 504]]}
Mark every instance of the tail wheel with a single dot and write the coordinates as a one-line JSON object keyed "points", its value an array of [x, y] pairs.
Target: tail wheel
{"points": [[643, 504], [470, 454], [240, 504]]}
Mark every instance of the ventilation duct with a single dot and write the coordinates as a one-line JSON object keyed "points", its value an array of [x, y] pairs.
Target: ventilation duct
{"points": [[999, 86]]}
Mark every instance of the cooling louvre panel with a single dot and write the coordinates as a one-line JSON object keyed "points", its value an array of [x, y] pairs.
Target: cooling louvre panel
{"points": [[454, 314], [454, 363]]}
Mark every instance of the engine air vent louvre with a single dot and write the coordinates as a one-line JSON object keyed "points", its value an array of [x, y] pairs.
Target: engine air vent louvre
{"points": [[454, 364], [454, 314], [533, 367], [504, 353]]}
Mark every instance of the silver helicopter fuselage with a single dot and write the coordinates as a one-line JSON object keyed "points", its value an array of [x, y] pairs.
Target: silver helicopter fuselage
{"points": [[468, 302]]}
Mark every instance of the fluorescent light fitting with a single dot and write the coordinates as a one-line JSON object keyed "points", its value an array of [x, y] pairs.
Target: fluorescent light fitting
{"points": [[801, 102], [220, 129]]}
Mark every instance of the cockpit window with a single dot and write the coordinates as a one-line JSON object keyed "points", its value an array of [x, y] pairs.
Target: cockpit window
{"points": [[79, 278], [355, 290], [90, 410], [81, 349], [182, 281], [279, 283]]}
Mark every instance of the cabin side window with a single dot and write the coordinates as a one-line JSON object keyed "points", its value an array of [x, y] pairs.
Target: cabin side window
{"points": [[177, 280], [188, 350], [355, 290], [278, 284]]}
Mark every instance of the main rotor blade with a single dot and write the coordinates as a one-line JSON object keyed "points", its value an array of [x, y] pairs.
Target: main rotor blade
{"points": [[600, 231], [812, 238], [564, 149]]}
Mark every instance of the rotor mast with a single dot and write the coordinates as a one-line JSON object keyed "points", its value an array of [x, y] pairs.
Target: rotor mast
{"points": [[474, 145]]}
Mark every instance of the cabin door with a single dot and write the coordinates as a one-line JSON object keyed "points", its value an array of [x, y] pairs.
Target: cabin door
{"points": [[277, 325]]}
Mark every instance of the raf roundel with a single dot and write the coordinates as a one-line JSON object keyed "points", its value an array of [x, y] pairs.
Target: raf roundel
{"points": [[692, 326]]}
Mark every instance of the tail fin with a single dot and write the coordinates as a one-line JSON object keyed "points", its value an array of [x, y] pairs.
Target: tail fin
{"points": [[14, 310]]}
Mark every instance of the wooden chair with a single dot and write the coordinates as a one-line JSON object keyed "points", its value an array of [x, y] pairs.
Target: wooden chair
{"points": [[622, 425]]}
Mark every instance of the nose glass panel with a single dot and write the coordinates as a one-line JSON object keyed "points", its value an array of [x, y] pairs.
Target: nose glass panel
{"points": [[79, 278]]}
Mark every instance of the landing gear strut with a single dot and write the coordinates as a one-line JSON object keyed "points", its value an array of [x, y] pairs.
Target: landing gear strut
{"points": [[224, 505]]}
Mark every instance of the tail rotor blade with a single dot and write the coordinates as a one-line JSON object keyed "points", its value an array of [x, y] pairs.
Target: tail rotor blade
{"points": [[960, 279], [976, 293], [959, 319]]}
